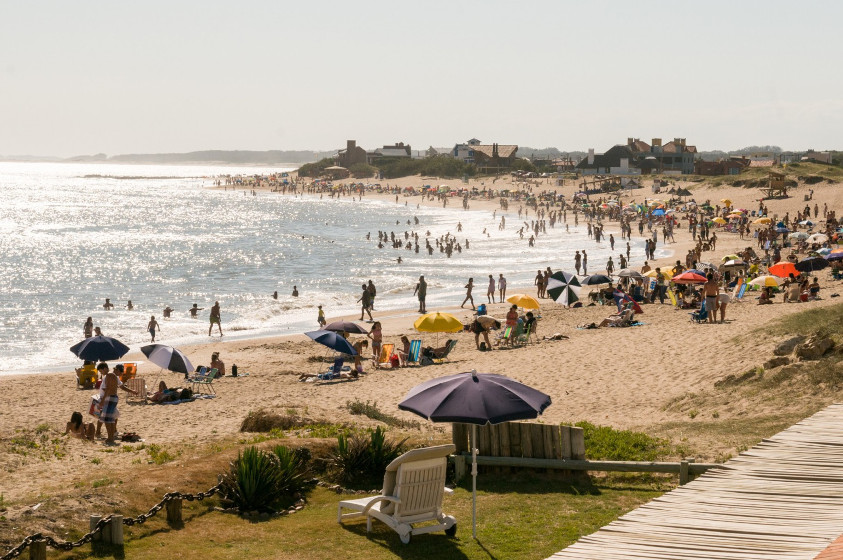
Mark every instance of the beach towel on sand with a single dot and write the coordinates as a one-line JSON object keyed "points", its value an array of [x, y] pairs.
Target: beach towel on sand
{"points": [[109, 413]]}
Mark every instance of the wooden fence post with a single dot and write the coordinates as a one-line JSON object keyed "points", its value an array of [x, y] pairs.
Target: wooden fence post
{"points": [[38, 550], [503, 434], [683, 473], [459, 436], [116, 530], [174, 512], [565, 441], [577, 443], [459, 467], [92, 523], [515, 440], [526, 441]]}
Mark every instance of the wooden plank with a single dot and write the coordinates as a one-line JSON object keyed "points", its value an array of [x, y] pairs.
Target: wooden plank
{"points": [[556, 444], [537, 441], [494, 441], [459, 436], [565, 441], [602, 466], [515, 439], [505, 450], [577, 443], [526, 441], [547, 436]]}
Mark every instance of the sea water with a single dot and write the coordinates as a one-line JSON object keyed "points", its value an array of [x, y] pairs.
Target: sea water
{"points": [[72, 235]]}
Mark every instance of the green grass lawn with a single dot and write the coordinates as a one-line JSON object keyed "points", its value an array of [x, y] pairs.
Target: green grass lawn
{"points": [[519, 516]]}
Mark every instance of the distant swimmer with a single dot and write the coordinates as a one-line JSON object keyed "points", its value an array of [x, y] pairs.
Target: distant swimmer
{"points": [[167, 312], [275, 294], [108, 306], [194, 310], [129, 305], [295, 292], [97, 331]]}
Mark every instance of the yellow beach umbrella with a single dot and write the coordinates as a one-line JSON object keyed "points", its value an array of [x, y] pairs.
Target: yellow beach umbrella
{"points": [[727, 202], [730, 258], [719, 220], [438, 322], [767, 281], [764, 220], [652, 274], [523, 300]]}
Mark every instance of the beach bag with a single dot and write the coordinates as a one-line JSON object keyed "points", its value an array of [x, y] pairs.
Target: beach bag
{"points": [[481, 309], [425, 361], [394, 361], [186, 394], [95, 406], [234, 370], [482, 346]]}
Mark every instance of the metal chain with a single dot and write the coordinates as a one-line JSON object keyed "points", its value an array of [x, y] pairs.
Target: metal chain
{"points": [[88, 537]]}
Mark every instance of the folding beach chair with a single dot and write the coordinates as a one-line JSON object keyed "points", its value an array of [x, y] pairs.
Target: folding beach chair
{"points": [[413, 487], [205, 378], [138, 386], [415, 352], [449, 346], [700, 315], [386, 353]]}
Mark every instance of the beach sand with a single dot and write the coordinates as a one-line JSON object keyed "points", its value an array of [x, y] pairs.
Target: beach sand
{"points": [[625, 378]]}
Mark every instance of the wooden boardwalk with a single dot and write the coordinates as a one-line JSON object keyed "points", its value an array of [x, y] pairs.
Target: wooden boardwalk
{"points": [[782, 499]]}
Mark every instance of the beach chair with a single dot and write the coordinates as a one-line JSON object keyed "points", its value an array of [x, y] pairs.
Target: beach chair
{"points": [[524, 337], [413, 487], [386, 353], [449, 346], [130, 370], [415, 352], [700, 315], [205, 378], [504, 337], [138, 385], [86, 377]]}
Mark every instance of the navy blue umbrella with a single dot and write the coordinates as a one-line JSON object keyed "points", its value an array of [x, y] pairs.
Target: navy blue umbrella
{"points": [[811, 264], [345, 326], [476, 399], [333, 341], [99, 349], [595, 279]]}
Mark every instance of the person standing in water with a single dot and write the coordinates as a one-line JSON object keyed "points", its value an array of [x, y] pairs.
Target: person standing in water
{"points": [[215, 318], [152, 327], [88, 328]]}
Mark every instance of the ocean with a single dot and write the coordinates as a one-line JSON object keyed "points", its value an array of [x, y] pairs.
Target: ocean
{"points": [[72, 235]]}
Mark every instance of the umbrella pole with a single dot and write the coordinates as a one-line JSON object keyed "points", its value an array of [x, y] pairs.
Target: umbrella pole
{"points": [[474, 481]]}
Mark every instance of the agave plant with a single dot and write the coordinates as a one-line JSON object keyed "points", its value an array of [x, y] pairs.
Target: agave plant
{"points": [[359, 460], [292, 469], [252, 481]]}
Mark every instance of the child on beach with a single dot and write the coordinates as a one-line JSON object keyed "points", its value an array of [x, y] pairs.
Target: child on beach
{"points": [[321, 318], [152, 327], [77, 428]]}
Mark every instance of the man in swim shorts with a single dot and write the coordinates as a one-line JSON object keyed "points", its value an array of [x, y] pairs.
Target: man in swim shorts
{"points": [[215, 318], [711, 289]]}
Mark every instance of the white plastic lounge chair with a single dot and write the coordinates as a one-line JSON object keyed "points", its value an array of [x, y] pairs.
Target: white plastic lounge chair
{"points": [[413, 486]]}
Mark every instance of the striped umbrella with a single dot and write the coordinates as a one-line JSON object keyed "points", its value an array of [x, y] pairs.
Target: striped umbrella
{"points": [[167, 357], [563, 287]]}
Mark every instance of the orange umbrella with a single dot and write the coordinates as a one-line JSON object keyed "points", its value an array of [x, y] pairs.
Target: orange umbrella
{"points": [[783, 269]]}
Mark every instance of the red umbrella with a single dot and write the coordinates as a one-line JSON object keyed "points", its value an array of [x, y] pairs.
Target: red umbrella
{"points": [[783, 269], [689, 278]]}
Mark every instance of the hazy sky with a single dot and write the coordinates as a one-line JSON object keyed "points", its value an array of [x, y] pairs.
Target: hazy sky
{"points": [[81, 77]]}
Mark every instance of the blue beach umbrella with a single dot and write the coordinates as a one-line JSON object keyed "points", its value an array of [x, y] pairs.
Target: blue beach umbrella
{"points": [[658, 212], [333, 341], [99, 349]]}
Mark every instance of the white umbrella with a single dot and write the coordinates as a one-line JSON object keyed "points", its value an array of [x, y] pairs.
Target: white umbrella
{"points": [[798, 235], [817, 238]]}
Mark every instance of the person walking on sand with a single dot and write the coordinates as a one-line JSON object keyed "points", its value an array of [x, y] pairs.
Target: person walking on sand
{"points": [[215, 318], [468, 296], [584, 262], [490, 292], [501, 287], [152, 327], [88, 328], [365, 303], [421, 290]]}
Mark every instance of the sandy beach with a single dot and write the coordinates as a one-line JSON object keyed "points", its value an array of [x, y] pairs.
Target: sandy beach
{"points": [[627, 378]]}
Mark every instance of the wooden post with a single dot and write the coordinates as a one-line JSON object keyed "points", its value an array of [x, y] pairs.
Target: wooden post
{"points": [[459, 436], [683, 473], [547, 435], [38, 550], [577, 443], [565, 441], [92, 523], [503, 434], [515, 439], [174, 512], [494, 441], [116, 530], [459, 467], [556, 443], [526, 441]]}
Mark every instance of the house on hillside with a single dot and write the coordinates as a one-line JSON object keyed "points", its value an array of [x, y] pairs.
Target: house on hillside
{"points": [[465, 152], [722, 167], [675, 157], [817, 157], [618, 160], [492, 158], [434, 152], [398, 150], [351, 155]]}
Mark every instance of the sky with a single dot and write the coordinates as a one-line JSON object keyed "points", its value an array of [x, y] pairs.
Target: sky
{"points": [[87, 77]]}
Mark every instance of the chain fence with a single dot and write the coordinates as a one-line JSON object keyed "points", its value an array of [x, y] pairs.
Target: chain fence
{"points": [[88, 537]]}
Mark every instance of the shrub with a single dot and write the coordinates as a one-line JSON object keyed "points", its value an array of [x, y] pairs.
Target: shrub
{"points": [[315, 169], [372, 411], [606, 443], [262, 480], [265, 421], [362, 171], [361, 461]]}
